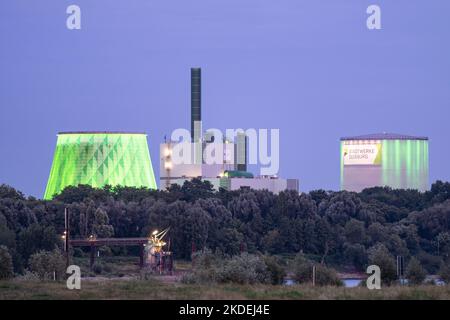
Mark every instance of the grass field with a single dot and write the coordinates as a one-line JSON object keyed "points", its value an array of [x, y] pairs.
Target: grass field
{"points": [[155, 289], [121, 279]]}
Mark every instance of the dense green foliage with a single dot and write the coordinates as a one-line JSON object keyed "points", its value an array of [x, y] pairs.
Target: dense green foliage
{"points": [[48, 264], [415, 273], [6, 266], [379, 255], [342, 229], [303, 271], [244, 268]]}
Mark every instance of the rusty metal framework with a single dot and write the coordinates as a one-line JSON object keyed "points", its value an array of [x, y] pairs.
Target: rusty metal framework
{"points": [[151, 253], [159, 260]]}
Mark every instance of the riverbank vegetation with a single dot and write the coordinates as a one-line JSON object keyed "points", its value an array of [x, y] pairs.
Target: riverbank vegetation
{"points": [[154, 289], [334, 230]]}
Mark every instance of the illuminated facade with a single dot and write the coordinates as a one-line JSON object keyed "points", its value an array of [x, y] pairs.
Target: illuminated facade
{"points": [[228, 172], [393, 160], [100, 158]]}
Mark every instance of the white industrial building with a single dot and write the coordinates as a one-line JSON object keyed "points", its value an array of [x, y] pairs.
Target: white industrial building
{"points": [[226, 167]]}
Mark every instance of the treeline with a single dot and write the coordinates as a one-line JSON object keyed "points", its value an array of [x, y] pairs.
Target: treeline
{"points": [[335, 228]]}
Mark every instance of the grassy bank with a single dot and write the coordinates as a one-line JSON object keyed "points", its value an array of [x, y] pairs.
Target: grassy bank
{"points": [[154, 289]]}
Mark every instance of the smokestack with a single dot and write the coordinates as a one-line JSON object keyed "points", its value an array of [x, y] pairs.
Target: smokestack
{"points": [[240, 151], [196, 103]]}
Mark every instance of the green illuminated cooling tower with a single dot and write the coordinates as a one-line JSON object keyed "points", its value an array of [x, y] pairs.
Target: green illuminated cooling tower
{"points": [[98, 159], [393, 160]]}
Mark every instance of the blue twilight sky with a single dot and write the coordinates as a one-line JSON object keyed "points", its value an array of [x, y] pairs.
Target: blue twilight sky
{"points": [[308, 67]]}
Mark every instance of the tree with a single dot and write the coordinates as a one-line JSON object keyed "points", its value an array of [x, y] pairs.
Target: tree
{"points": [[197, 189], [7, 192], [440, 191], [8, 239], [229, 241], [444, 272], [325, 237], [356, 255], [272, 242], [6, 264], [343, 227], [380, 256], [197, 225], [341, 207], [7, 236], [35, 238], [72, 194], [443, 244], [100, 224], [45, 264], [414, 272], [276, 270], [377, 233], [354, 231], [433, 220]]}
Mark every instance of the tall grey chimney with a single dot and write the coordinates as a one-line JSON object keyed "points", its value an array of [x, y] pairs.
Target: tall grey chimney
{"points": [[196, 104]]}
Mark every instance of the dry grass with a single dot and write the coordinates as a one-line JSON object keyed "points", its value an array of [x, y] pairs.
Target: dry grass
{"points": [[154, 289]]}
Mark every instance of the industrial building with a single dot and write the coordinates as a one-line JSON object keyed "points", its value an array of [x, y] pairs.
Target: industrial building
{"points": [[385, 159], [231, 173], [100, 158]]}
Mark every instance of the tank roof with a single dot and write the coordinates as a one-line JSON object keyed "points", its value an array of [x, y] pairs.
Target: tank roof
{"points": [[384, 136], [238, 174], [100, 132]]}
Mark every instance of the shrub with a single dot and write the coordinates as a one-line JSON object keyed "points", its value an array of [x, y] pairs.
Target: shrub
{"points": [[244, 269], [414, 272], [97, 268], [302, 268], [205, 267], [444, 272], [276, 270], [6, 264], [206, 259], [327, 276], [107, 268], [147, 274], [105, 251], [430, 262], [45, 263], [78, 252], [27, 276], [303, 271]]}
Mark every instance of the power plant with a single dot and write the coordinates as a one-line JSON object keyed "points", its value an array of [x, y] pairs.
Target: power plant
{"points": [[230, 172], [122, 158], [385, 159], [100, 158]]}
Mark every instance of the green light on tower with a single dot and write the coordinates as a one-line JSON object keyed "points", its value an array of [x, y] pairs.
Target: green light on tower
{"points": [[404, 162], [98, 159]]}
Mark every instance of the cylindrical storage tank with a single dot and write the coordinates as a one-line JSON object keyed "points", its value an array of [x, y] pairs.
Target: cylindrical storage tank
{"points": [[100, 158], [393, 160]]}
